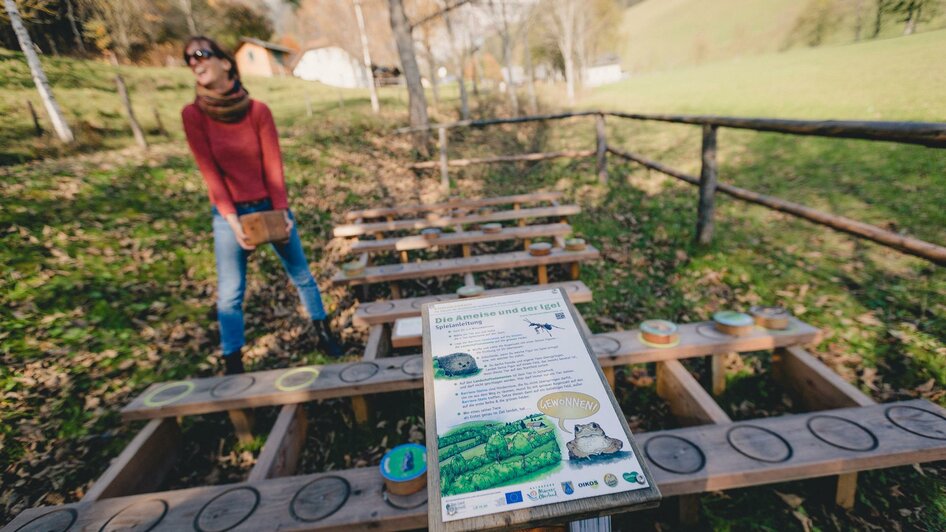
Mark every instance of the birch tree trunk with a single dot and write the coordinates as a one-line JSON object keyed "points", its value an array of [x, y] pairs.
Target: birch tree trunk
{"points": [[39, 77], [507, 60], [417, 101], [375, 106], [132, 120], [459, 59], [530, 72], [563, 15]]}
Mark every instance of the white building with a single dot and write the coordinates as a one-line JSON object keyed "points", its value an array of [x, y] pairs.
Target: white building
{"points": [[333, 66], [605, 70]]}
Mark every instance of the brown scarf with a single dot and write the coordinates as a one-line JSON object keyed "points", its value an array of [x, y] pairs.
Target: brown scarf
{"points": [[230, 106]]}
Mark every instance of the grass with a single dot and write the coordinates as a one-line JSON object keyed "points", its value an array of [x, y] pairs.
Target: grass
{"points": [[107, 279], [667, 34]]}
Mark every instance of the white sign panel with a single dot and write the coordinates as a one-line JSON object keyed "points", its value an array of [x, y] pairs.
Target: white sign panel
{"points": [[523, 417]]}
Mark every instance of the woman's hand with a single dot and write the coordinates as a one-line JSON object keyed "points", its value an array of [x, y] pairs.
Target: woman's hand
{"points": [[234, 222], [289, 223]]}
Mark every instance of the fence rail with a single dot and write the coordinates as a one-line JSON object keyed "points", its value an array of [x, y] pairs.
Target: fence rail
{"points": [[929, 134]]}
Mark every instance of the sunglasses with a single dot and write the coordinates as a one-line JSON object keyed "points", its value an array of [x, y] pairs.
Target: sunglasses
{"points": [[200, 54]]}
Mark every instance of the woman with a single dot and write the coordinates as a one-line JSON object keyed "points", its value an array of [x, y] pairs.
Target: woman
{"points": [[234, 141]]}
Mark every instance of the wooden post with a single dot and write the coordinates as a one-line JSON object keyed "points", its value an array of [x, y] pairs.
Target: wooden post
{"points": [[704, 213], [126, 101], [602, 149], [444, 173], [575, 270], [143, 464], [404, 257], [38, 129], [157, 118], [543, 273], [243, 424], [718, 373]]}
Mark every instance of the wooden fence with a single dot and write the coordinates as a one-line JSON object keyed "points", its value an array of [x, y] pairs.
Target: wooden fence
{"points": [[927, 134]]}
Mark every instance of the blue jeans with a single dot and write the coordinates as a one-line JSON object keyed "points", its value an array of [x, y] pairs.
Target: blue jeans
{"points": [[231, 277]]}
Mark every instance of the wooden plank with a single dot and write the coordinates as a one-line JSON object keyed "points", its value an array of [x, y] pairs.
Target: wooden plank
{"points": [[577, 509], [461, 265], [143, 464], [301, 503], [698, 339], [786, 448], [446, 221], [415, 242], [243, 421], [813, 383], [689, 402], [474, 203], [718, 373], [280, 454], [535, 156], [716, 465], [377, 312], [309, 383], [378, 344]]}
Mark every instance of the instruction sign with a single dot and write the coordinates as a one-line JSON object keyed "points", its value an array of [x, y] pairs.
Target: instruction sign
{"points": [[523, 416]]}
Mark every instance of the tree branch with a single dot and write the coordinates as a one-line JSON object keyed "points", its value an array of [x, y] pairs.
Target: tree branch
{"points": [[437, 14]]}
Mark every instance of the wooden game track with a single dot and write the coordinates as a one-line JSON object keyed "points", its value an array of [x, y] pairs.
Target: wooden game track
{"points": [[415, 242], [380, 312], [309, 383], [381, 212], [415, 224], [683, 462], [462, 265]]}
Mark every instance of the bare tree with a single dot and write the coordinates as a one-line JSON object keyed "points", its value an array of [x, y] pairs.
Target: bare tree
{"points": [[417, 103], [506, 38], [39, 76], [564, 14], [70, 15], [459, 59], [188, 8], [366, 53]]}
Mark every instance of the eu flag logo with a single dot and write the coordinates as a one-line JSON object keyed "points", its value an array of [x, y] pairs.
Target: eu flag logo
{"points": [[513, 497]]}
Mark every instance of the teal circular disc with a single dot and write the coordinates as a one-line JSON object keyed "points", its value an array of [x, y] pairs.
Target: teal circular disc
{"points": [[404, 462]]}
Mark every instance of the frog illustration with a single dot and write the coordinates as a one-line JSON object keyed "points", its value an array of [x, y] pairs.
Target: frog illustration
{"points": [[591, 441], [457, 364]]}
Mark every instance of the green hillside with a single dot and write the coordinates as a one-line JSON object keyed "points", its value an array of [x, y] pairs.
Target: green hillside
{"points": [[665, 34], [890, 79]]}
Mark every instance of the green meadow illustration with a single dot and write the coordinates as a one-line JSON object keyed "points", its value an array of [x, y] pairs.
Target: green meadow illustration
{"points": [[483, 455]]}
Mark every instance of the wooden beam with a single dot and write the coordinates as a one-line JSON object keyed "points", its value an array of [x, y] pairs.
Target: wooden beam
{"points": [[689, 402], [813, 383], [538, 156], [243, 421], [415, 224], [375, 312], [794, 447], [310, 383], [473, 203], [902, 243], [142, 464], [462, 265], [280, 454], [444, 162]]}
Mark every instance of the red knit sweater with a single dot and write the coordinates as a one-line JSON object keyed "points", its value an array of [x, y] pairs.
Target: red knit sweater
{"points": [[240, 161]]}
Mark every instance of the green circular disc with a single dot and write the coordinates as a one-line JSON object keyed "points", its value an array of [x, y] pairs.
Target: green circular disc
{"points": [[162, 394], [296, 379], [733, 318]]}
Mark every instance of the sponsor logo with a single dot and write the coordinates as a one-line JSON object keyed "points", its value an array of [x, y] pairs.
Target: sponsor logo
{"points": [[588, 484], [513, 497], [611, 480], [454, 507], [568, 487], [634, 477], [545, 491]]}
